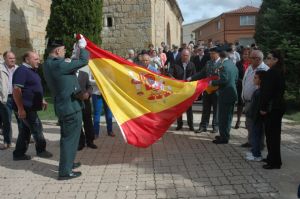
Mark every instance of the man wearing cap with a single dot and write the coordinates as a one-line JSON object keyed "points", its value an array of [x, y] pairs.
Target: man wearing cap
{"points": [[209, 99], [61, 79], [228, 73]]}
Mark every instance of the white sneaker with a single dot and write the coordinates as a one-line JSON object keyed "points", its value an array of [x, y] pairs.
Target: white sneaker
{"points": [[255, 159], [249, 154]]}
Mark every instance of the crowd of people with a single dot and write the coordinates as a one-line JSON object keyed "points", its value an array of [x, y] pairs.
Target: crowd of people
{"points": [[254, 84], [257, 88]]}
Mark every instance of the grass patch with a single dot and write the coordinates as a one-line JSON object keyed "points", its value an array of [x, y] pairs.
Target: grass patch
{"points": [[48, 114], [295, 116]]}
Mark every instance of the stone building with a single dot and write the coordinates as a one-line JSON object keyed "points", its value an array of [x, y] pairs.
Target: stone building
{"points": [[126, 24], [138, 23], [23, 25]]}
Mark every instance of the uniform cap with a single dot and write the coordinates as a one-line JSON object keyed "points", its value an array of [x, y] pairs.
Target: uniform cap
{"points": [[54, 43], [216, 49]]}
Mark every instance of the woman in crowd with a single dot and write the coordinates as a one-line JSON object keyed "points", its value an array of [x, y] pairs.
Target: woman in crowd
{"points": [[155, 60], [163, 58], [242, 66], [273, 107]]}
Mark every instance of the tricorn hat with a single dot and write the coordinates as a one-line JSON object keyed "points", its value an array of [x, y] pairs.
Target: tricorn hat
{"points": [[54, 43], [216, 49]]}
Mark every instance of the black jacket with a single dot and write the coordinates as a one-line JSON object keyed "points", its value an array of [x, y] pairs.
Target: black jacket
{"points": [[178, 72], [83, 80], [200, 64], [272, 91]]}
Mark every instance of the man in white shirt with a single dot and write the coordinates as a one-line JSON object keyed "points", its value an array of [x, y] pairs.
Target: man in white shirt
{"points": [[256, 59], [6, 73]]}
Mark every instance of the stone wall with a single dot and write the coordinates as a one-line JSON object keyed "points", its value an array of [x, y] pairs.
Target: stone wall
{"points": [[134, 24], [137, 23], [131, 27], [23, 25]]}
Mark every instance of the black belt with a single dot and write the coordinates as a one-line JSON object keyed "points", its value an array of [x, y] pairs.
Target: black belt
{"points": [[10, 95]]}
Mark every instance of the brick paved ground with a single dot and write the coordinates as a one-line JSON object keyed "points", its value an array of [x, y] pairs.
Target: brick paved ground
{"points": [[181, 165]]}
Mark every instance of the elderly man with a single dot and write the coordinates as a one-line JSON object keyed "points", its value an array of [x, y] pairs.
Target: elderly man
{"points": [[61, 79], [6, 75], [145, 60], [28, 99], [131, 55], [256, 60], [182, 71]]}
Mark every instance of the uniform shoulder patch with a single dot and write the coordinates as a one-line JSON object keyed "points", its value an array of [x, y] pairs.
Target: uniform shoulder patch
{"points": [[68, 60]]}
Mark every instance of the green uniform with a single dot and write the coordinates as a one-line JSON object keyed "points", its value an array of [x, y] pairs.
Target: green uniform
{"points": [[63, 84], [227, 96], [209, 100]]}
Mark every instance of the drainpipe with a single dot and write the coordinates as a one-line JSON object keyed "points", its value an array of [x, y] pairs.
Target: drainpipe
{"points": [[224, 27]]}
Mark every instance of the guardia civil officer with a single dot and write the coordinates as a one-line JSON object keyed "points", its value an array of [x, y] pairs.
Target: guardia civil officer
{"points": [[61, 79], [209, 99], [227, 96]]}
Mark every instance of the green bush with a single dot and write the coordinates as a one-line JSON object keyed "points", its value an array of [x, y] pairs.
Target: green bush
{"points": [[75, 16], [278, 26]]}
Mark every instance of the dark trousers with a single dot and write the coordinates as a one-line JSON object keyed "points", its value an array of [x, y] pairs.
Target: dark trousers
{"points": [[70, 127], [209, 100], [5, 114], [31, 125], [189, 114], [87, 135], [257, 137], [225, 119], [273, 137]]}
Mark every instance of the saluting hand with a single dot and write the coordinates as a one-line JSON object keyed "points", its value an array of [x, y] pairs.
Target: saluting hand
{"points": [[82, 42]]}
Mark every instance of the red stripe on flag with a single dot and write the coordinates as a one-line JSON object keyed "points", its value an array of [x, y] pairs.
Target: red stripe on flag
{"points": [[96, 52], [146, 129]]}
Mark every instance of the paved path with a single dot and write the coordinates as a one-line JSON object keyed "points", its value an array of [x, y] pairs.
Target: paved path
{"points": [[180, 165]]}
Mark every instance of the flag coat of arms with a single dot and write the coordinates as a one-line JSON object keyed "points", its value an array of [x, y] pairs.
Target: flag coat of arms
{"points": [[143, 103]]}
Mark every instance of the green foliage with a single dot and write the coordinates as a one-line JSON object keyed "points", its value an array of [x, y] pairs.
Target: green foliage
{"points": [[49, 113], [75, 16], [278, 26]]}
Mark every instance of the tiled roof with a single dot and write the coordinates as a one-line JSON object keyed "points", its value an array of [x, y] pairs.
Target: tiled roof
{"points": [[245, 9]]}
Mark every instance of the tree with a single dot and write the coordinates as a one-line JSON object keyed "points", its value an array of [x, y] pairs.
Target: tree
{"points": [[278, 26], [75, 16]]}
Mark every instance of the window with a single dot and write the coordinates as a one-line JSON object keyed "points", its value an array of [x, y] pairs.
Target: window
{"points": [[218, 25], [247, 20], [108, 21]]}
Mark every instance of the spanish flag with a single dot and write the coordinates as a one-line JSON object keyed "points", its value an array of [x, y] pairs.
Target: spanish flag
{"points": [[143, 103]]}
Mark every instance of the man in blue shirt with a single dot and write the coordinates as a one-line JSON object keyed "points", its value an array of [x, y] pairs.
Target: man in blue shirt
{"points": [[146, 63], [28, 99]]}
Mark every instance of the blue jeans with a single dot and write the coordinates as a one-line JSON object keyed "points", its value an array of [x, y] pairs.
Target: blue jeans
{"points": [[98, 102], [257, 133], [5, 112]]}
